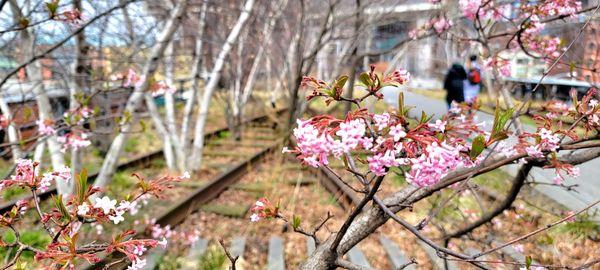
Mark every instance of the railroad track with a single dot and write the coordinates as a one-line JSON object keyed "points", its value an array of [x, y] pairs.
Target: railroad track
{"points": [[395, 256], [134, 162]]}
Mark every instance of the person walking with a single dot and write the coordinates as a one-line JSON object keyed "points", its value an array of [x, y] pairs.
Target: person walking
{"points": [[472, 85], [454, 84]]}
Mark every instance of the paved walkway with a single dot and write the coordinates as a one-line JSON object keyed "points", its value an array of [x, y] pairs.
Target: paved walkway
{"points": [[588, 190]]}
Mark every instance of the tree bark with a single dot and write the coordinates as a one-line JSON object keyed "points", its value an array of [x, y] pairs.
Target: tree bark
{"points": [[110, 161], [81, 78], [198, 146], [197, 70], [171, 141], [515, 188], [34, 72]]}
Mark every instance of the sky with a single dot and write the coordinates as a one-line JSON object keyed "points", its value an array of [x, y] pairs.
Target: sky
{"points": [[49, 32]]}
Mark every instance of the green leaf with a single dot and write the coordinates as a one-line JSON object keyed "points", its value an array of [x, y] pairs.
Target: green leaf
{"points": [[401, 103], [58, 201], [81, 185], [340, 82], [528, 262], [423, 117], [52, 7], [500, 120], [296, 222], [365, 79], [477, 147]]}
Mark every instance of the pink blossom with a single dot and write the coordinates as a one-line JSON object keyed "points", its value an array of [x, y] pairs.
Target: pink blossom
{"points": [[397, 132], [137, 264], [105, 203], [438, 125], [573, 171], [132, 79], [413, 34], [534, 151], [549, 141], [74, 141], [381, 120], [83, 209], [470, 8], [45, 127], [314, 147], [433, 165], [558, 179], [160, 88], [163, 243], [502, 65], [400, 76], [442, 24], [380, 161], [351, 134]]}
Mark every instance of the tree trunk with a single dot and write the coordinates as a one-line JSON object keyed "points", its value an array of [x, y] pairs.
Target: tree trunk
{"points": [[12, 132], [81, 79], [34, 72], [110, 160], [172, 140], [196, 75], [198, 147], [161, 130], [251, 79]]}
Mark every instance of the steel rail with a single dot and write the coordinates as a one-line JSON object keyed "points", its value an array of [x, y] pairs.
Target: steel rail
{"points": [[134, 162], [183, 208]]}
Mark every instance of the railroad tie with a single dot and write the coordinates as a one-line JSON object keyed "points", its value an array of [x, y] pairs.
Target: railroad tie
{"points": [[395, 255], [153, 258], [276, 259], [198, 248], [310, 246], [436, 261], [195, 252], [358, 257], [238, 246]]}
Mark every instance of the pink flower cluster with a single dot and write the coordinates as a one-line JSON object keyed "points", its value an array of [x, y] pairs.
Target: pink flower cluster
{"points": [[74, 141], [501, 64], [548, 47], [484, 9], [387, 147], [400, 76], [46, 127], [470, 8], [160, 88], [315, 146], [560, 7], [441, 24], [434, 164]]}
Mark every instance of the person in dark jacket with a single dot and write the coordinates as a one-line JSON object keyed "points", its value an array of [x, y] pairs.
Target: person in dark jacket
{"points": [[453, 83]]}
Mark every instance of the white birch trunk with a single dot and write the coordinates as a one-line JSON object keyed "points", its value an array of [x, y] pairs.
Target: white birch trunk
{"points": [[110, 160], [196, 76], [38, 155], [198, 147], [161, 129], [34, 72], [45, 112], [171, 144], [80, 84]]}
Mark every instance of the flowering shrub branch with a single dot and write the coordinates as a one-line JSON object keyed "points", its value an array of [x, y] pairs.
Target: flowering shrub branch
{"points": [[433, 154], [63, 222]]}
